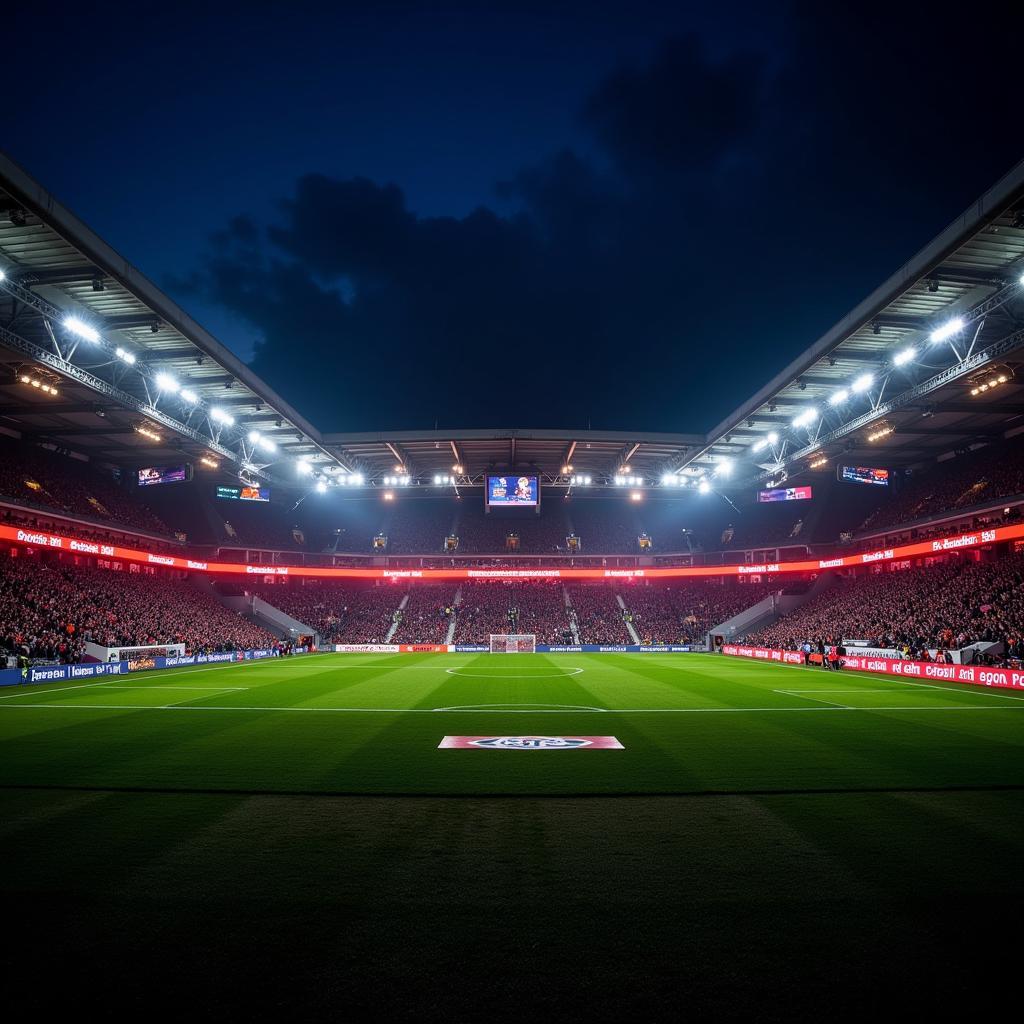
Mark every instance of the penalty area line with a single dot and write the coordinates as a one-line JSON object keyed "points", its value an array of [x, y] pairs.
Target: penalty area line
{"points": [[821, 706]]}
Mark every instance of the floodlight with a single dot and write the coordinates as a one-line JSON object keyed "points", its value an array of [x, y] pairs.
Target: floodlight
{"points": [[904, 357], [948, 329], [83, 330], [806, 418], [321, 487], [125, 356], [220, 416], [862, 383], [838, 397], [703, 487]]}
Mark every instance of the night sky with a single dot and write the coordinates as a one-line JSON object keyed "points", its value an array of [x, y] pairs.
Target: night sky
{"points": [[538, 215]]}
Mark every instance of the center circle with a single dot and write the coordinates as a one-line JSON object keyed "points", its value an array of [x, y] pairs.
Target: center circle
{"points": [[509, 675]]}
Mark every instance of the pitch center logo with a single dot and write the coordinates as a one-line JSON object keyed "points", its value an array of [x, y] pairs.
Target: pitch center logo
{"points": [[532, 742]]}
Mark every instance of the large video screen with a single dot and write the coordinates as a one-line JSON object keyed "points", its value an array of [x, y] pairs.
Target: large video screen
{"points": [[247, 493], [864, 475], [513, 489], [162, 475], [785, 494]]}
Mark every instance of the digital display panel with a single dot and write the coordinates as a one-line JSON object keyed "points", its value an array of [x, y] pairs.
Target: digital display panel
{"points": [[162, 475], [864, 475], [247, 493], [513, 489], [785, 494]]}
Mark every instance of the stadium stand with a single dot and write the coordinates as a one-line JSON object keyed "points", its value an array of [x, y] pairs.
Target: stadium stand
{"points": [[49, 609], [37, 477], [502, 607], [684, 612], [992, 473], [960, 601], [349, 613], [599, 616], [427, 614]]}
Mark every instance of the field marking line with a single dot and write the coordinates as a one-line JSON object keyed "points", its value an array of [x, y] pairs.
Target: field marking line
{"points": [[522, 707], [59, 689], [802, 696], [541, 675], [824, 706], [161, 686]]}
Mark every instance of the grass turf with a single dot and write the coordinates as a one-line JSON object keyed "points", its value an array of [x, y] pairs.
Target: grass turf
{"points": [[194, 842]]}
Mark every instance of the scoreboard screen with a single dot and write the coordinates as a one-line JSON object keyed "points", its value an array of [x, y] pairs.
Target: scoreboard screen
{"points": [[247, 493], [162, 475], [864, 475], [512, 489], [786, 494]]}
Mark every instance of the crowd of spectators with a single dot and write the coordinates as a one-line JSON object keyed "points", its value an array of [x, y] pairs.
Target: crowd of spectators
{"points": [[341, 613], [427, 614], [49, 609], [599, 616], [685, 612], [531, 607], [991, 473], [945, 606], [40, 477]]}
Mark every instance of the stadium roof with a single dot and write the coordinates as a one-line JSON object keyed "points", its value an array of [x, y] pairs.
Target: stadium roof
{"points": [[54, 268], [557, 454], [140, 363], [915, 359]]}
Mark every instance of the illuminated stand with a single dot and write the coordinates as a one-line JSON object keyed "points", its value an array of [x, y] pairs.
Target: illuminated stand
{"points": [[513, 643]]}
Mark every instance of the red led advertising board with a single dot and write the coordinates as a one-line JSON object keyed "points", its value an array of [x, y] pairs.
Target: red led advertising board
{"points": [[58, 542]]}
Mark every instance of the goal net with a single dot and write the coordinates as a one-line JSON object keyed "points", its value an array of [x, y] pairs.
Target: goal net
{"points": [[513, 643]]}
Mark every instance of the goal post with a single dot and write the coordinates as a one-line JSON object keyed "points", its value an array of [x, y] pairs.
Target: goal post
{"points": [[513, 643]]}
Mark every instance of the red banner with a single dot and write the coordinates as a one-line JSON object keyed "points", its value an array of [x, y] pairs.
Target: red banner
{"points": [[40, 539], [973, 675]]}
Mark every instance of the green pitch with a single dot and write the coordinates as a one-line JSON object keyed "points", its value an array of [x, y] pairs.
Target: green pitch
{"points": [[285, 838], [372, 724]]}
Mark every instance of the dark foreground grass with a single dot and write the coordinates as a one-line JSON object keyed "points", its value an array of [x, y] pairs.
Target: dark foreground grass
{"points": [[894, 888]]}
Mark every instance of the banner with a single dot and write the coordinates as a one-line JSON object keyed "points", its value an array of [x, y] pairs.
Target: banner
{"points": [[960, 542], [973, 675]]}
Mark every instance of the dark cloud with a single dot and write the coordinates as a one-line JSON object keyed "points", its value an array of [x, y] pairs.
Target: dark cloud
{"points": [[683, 112], [725, 210]]}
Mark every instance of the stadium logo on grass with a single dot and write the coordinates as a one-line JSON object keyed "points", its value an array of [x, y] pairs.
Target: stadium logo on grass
{"points": [[531, 743]]}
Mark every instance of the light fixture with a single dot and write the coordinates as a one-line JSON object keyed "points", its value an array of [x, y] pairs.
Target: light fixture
{"points": [[165, 382], [303, 467], [703, 487], [947, 330], [190, 396], [146, 432], [838, 397], [388, 496], [862, 383], [83, 330], [819, 462], [39, 385], [636, 496], [220, 416], [320, 487], [208, 462], [904, 357], [724, 467], [883, 431], [125, 356], [806, 418]]}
